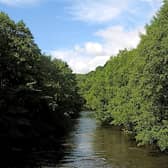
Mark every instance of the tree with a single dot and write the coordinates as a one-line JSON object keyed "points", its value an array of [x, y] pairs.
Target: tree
{"points": [[38, 95], [130, 90]]}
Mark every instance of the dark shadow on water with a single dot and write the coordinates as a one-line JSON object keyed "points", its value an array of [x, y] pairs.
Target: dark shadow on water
{"points": [[30, 158], [25, 155]]}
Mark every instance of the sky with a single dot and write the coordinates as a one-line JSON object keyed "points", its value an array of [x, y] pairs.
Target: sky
{"points": [[84, 33]]}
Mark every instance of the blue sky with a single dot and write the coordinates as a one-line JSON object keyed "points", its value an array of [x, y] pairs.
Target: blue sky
{"points": [[84, 33]]}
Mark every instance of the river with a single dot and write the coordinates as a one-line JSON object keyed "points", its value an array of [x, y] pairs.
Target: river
{"points": [[89, 145], [92, 146]]}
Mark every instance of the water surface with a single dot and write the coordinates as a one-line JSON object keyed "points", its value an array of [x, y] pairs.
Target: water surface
{"points": [[92, 146]]}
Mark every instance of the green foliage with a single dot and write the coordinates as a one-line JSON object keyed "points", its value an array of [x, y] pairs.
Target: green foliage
{"points": [[38, 95], [131, 89]]}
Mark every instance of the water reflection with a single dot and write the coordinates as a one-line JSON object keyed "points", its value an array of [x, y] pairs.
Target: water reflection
{"points": [[121, 152], [90, 146], [80, 152]]}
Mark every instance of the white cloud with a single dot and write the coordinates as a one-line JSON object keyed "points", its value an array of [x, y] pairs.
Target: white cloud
{"points": [[83, 59], [97, 11], [87, 57], [18, 2], [94, 48], [116, 38]]}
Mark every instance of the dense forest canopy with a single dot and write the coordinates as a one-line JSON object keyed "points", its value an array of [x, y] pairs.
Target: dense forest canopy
{"points": [[131, 89], [38, 95]]}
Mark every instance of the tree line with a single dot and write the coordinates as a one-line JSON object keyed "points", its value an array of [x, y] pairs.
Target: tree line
{"points": [[131, 89], [38, 95]]}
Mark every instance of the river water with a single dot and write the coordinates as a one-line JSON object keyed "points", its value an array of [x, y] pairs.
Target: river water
{"points": [[92, 146]]}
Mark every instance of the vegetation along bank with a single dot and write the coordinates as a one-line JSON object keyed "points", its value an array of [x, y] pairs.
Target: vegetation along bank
{"points": [[131, 89]]}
